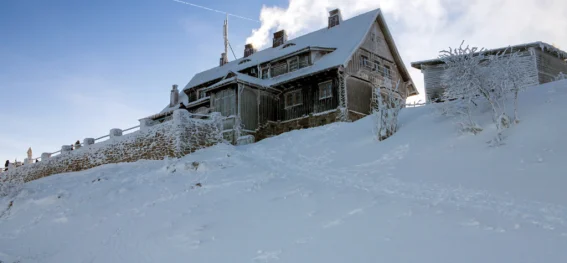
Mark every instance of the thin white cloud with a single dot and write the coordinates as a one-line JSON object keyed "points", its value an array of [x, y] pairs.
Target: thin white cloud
{"points": [[423, 27]]}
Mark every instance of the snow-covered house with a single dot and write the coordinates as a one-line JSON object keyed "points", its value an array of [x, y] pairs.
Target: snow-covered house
{"points": [[542, 62], [320, 77]]}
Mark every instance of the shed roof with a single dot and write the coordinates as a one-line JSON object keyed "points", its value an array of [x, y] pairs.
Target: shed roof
{"points": [[542, 45]]}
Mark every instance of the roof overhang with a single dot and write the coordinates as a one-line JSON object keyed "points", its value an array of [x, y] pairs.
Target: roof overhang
{"points": [[547, 48], [159, 115]]}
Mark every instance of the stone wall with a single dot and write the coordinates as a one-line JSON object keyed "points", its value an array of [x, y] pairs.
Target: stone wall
{"points": [[313, 120], [178, 137]]}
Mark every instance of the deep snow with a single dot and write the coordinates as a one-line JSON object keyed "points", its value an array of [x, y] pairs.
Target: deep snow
{"points": [[327, 194]]}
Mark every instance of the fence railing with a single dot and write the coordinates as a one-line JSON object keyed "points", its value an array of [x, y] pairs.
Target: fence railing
{"points": [[73, 147], [415, 104], [228, 124]]}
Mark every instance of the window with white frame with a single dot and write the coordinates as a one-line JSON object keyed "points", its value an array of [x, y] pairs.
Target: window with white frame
{"points": [[387, 72], [224, 102], [202, 94], [303, 61], [364, 62], [325, 89], [265, 73], [293, 64], [376, 65], [278, 69], [293, 98]]}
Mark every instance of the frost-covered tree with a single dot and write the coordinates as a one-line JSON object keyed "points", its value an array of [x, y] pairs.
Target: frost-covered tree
{"points": [[387, 103], [475, 78], [508, 74], [464, 81]]}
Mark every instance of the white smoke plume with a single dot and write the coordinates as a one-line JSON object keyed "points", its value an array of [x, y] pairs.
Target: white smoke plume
{"points": [[421, 28]]}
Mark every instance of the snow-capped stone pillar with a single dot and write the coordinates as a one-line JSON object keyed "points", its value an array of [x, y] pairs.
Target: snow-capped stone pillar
{"points": [[144, 124], [115, 133], [65, 149], [216, 116], [88, 141], [45, 156], [11, 166], [29, 160], [179, 114], [174, 96]]}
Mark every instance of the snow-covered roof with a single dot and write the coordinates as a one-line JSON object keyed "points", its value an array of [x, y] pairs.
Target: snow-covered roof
{"points": [[344, 38], [182, 99], [542, 45], [235, 76]]}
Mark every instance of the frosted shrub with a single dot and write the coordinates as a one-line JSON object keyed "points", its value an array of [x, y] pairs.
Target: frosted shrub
{"points": [[561, 76], [387, 104], [475, 78], [10, 185]]}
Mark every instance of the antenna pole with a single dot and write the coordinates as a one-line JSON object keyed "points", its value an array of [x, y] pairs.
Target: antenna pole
{"points": [[225, 35]]}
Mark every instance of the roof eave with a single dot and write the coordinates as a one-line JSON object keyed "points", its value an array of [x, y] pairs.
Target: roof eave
{"points": [[436, 61]]}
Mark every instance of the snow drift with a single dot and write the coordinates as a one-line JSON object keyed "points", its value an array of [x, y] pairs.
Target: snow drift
{"points": [[327, 194]]}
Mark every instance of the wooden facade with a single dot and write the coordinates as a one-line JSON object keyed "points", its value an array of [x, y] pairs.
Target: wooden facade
{"points": [[541, 62], [254, 95]]}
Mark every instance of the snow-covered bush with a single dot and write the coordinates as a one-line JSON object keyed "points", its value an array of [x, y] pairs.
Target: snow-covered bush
{"points": [[387, 104], [474, 78], [10, 184], [561, 76], [507, 75], [464, 79]]}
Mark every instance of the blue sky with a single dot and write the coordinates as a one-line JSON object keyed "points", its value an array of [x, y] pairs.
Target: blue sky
{"points": [[71, 69], [76, 69]]}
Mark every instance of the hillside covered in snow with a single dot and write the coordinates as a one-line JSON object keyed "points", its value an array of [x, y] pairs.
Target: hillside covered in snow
{"points": [[329, 194]]}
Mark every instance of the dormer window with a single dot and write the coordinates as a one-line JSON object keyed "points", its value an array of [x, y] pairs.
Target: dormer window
{"points": [[293, 64], [243, 61], [202, 94], [288, 45], [265, 73]]}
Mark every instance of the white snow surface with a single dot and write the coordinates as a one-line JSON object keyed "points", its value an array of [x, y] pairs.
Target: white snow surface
{"points": [[326, 194]]}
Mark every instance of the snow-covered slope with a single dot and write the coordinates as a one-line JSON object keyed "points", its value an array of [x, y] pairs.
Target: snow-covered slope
{"points": [[328, 194]]}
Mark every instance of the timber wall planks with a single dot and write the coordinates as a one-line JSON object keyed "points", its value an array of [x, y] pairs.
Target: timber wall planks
{"points": [[549, 66]]}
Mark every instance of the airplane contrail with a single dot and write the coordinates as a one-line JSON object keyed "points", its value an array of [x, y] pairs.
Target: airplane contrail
{"points": [[218, 11]]}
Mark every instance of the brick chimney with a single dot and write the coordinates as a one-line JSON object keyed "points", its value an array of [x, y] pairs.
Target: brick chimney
{"points": [[280, 38], [335, 18], [223, 59], [249, 50], [174, 96]]}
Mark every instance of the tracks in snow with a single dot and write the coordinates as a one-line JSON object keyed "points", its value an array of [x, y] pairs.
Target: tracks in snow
{"points": [[376, 177]]}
